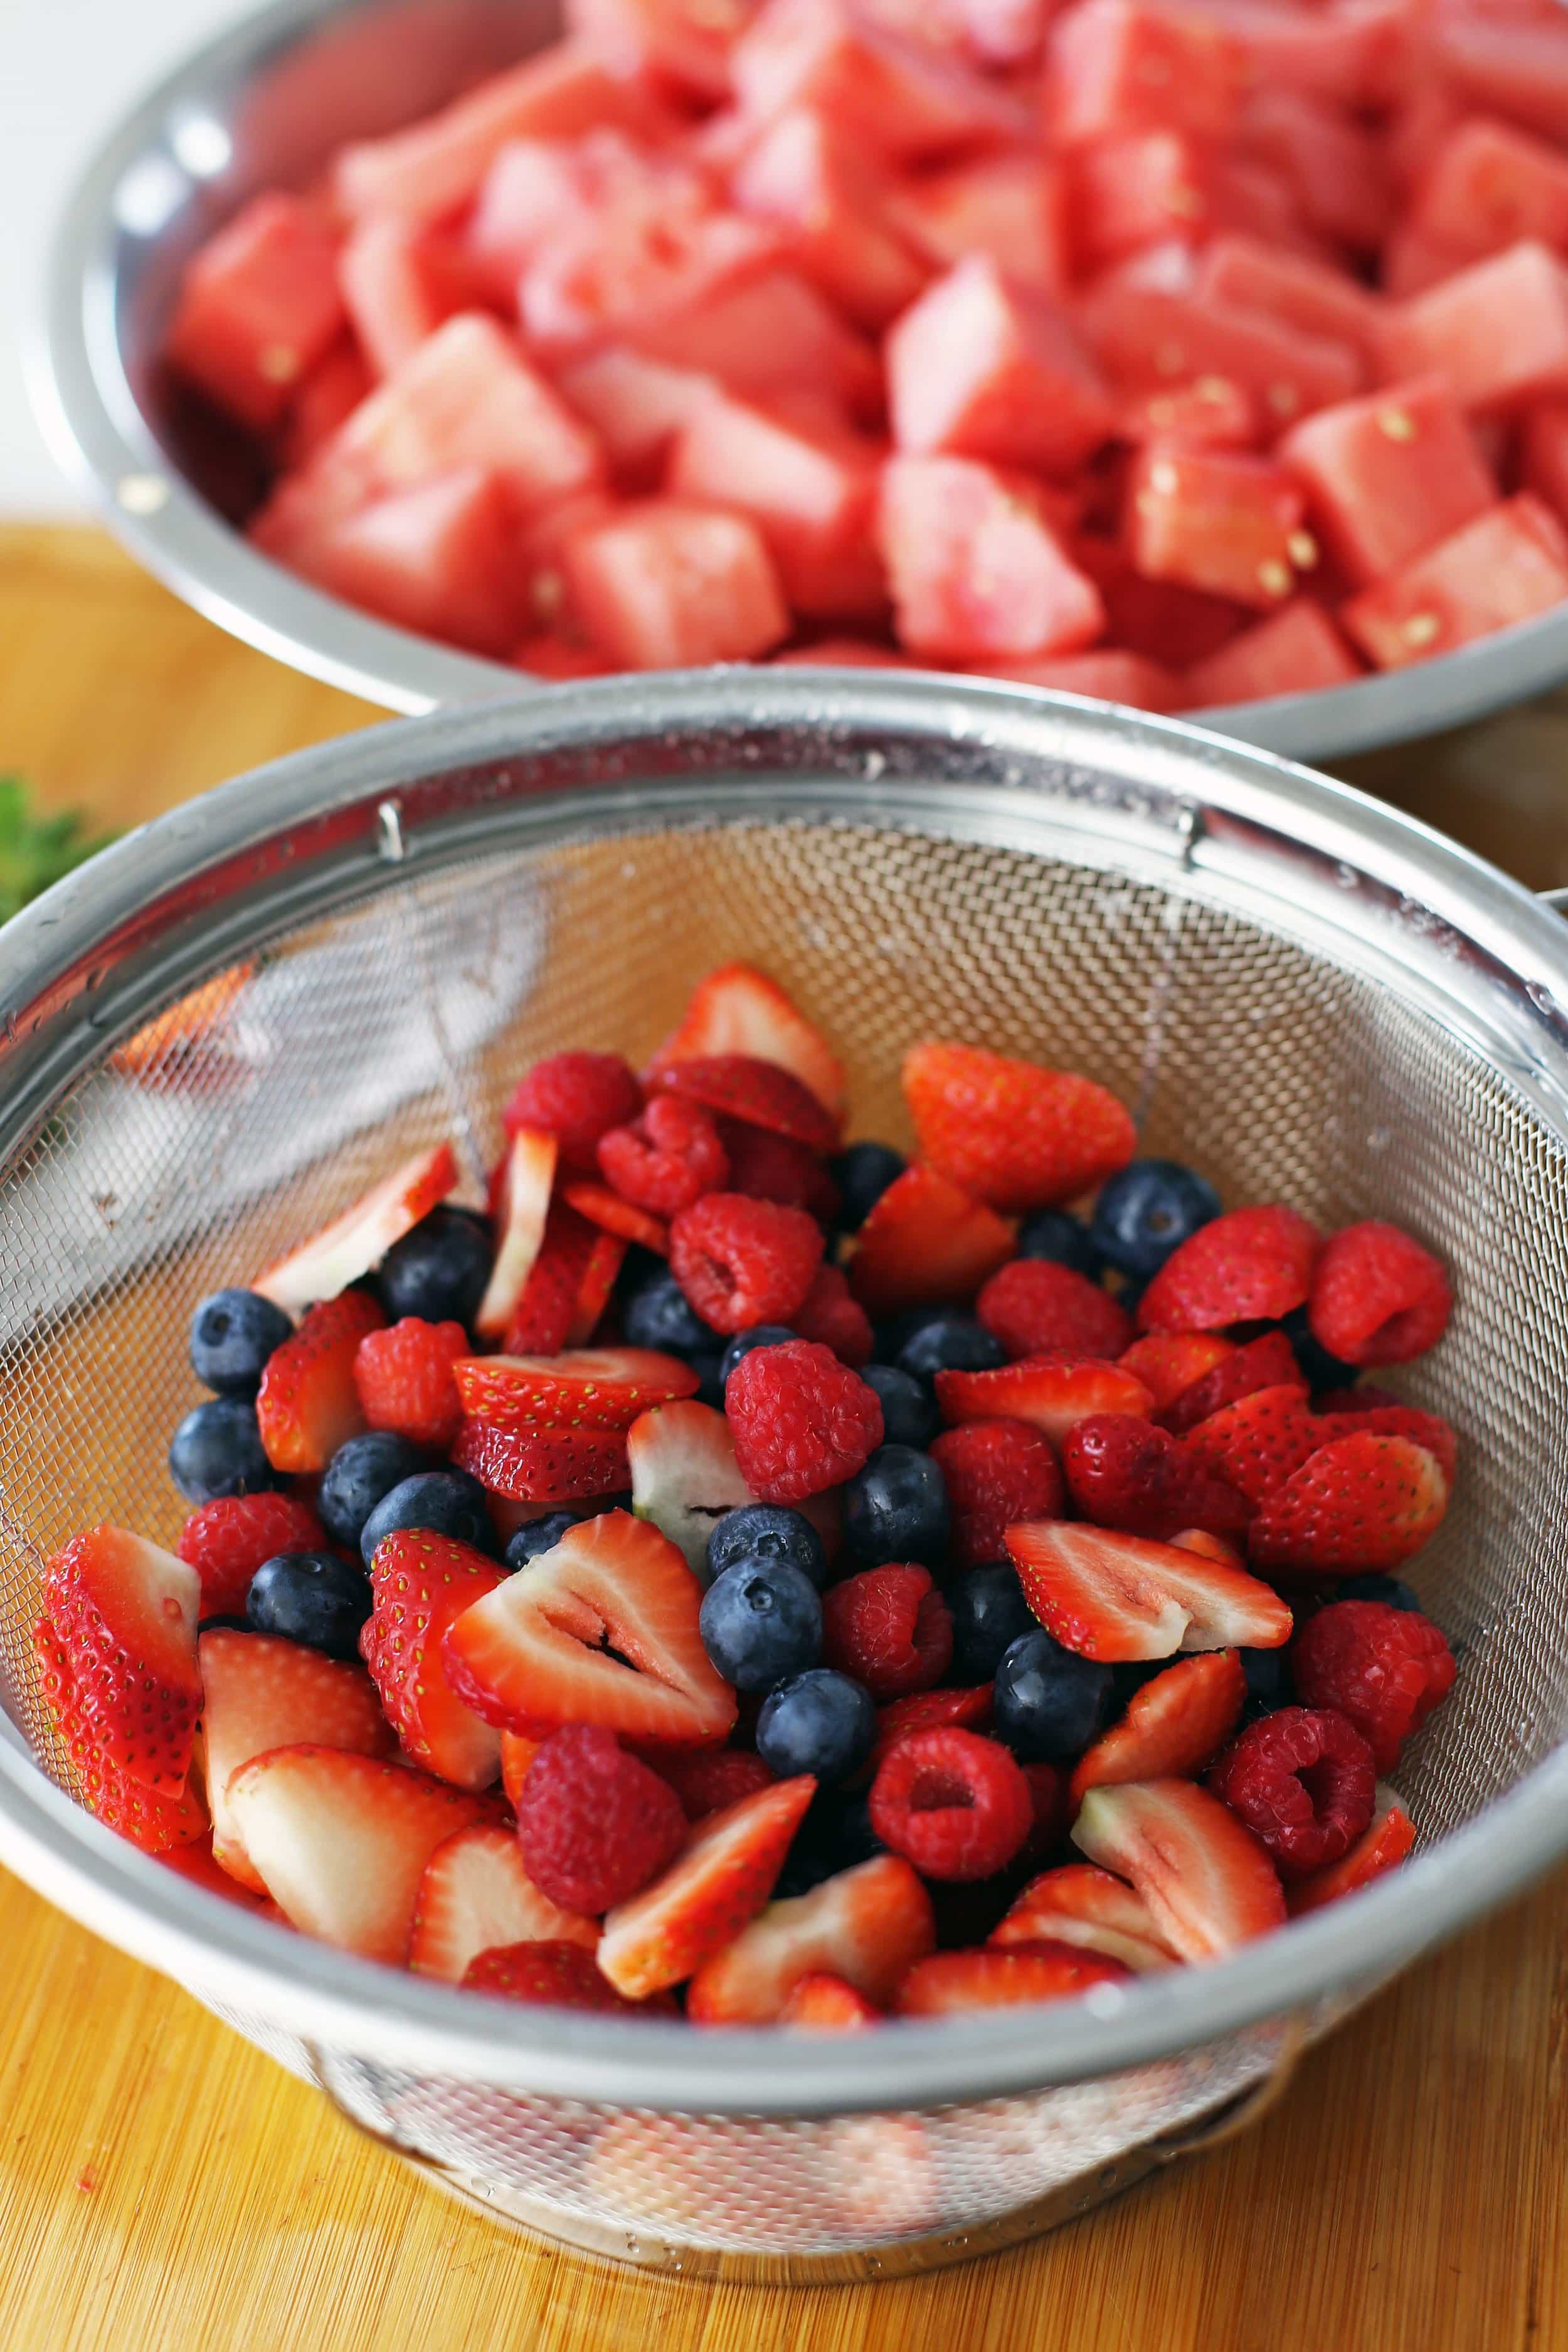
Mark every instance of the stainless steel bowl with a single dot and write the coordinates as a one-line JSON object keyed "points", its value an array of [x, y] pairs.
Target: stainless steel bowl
{"points": [[266, 103]]}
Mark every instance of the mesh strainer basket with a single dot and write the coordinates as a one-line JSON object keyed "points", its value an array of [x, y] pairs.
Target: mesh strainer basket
{"points": [[1311, 997]]}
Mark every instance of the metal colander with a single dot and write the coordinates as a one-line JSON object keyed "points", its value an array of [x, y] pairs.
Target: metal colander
{"points": [[1308, 995]]}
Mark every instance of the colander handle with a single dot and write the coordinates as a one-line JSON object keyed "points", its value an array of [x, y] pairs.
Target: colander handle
{"points": [[1556, 899]]}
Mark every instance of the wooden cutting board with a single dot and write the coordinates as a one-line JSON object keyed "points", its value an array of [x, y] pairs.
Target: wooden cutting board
{"points": [[165, 2188]]}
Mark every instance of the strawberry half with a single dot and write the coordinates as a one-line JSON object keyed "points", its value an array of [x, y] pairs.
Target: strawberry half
{"points": [[868, 1926], [824, 2003], [263, 1693], [1360, 1502], [928, 1710], [521, 1205], [475, 1895], [739, 1010], [1173, 1725], [605, 1259], [1207, 1882], [1426, 1429], [544, 1465], [153, 1819], [1050, 1393], [603, 1629], [341, 1252], [1384, 1843], [761, 1094], [125, 1612], [1077, 1904], [720, 1879], [308, 1404], [1118, 1597], [422, 1582], [1168, 1362], [517, 1753], [540, 1322], [597, 1388], [1267, 1362], [1257, 1444], [195, 1864], [926, 1242], [548, 1975], [1124, 1472], [1252, 1265], [612, 1215], [948, 1984], [1015, 1136], [685, 1475]]}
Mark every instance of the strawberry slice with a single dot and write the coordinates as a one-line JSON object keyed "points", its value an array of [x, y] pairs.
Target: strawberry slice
{"points": [[308, 1404], [739, 1010], [156, 1819], [824, 2003], [685, 1475], [1267, 1362], [517, 1753], [552, 1975], [1257, 1444], [422, 1583], [125, 1612], [1117, 1597], [930, 1710], [1015, 1136], [1252, 1265], [547, 1303], [1361, 1502], [1050, 1393], [196, 1862], [347, 1248], [1077, 1904], [1426, 1429], [1207, 1882], [1168, 1362], [926, 1242], [868, 1926], [544, 1464], [1173, 1725], [612, 1215], [1124, 1472], [601, 1630], [597, 1388], [950, 1983], [264, 1693], [719, 1880], [605, 1259], [1386, 1840], [761, 1094], [476, 1894], [520, 1206]]}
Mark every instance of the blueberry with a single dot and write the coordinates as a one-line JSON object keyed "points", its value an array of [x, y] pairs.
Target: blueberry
{"points": [[1050, 1703], [950, 1342], [908, 1415], [761, 1335], [707, 1365], [359, 1474], [1065, 1239], [447, 1502], [818, 1722], [538, 1536], [438, 1271], [1390, 1590], [231, 1335], [659, 1315], [1269, 1681], [1317, 1368], [1147, 1211], [895, 1508], [834, 1835], [761, 1623], [989, 1613], [310, 1597], [863, 1174], [767, 1531], [217, 1450]]}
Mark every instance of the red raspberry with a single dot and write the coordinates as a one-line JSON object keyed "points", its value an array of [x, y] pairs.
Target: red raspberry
{"points": [[828, 1313], [1125, 1473], [577, 1097], [403, 1376], [561, 1976], [1034, 1306], [226, 1541], [742, 1261], [1378, 1297], [705, 1779], [997, 1474], [1303, 1781], [776, 1168], [928, 1710], [801, 1420], [954, 1804], [594, 1823], [667, 1160], [1383, 1668], [887, 1628]]}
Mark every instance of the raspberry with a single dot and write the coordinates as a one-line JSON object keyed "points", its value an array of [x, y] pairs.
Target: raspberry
{"points": [[562, 1976], [226, 1541], [667, 1160], [576, 1098], [776, 1168], [1034, 1306], [887, 1628], [828, 1314], [1304, 1782], [705, 1779], [594, 1823], [801, 1420], [953, 1804], [1378, 1297], [996, 1473], [742, 1261], [1383, 1668], [403, 1376]]}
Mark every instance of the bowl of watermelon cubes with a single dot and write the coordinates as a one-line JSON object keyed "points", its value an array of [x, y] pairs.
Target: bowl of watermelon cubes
{"points": [[1197, 355]]}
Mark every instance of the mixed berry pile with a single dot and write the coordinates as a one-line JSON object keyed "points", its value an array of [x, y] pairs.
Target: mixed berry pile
{"points": [[749, 1577]]}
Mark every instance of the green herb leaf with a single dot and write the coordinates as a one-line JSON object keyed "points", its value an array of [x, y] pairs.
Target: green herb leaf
{"points": [[34, 850]]}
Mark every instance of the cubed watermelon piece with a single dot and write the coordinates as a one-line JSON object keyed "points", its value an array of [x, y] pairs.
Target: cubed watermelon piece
{"points": [[332, 390], [394, 293], [540, 547], [1009, 206], [1243, 274], [1147, 338], [258, 306], [608, 271], [1411, 262], [1487, 186], [440, 558], [1510, 564], [1296, 650], [1333, 163], [1210, 412], [536, 187], [1109, 674], [980, 367], [1231, 525], [1131, 190], [1420, 125], [635, 405], [685, 42], [1543, 453], [1354, 51], [1115, 66], [665, 585], [1389, 475], [975, 571], [1497, 332], [810, 489], [766, 335], [842, 653], [557, 659], [901, 98], [1517, 70], [812, 180], [1157, 618], [1003, 32]]}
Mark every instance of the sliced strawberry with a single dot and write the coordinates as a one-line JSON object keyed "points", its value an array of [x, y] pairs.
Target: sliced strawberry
{"points": [[598, 1388], [125, 1612], [824, 2003], [1117, 1597], [965, 1710], [612, 1215], [1383, 1844], [1257, 1444], [263, 1693], [1361, 1502], [1252, 1265], [1015, 1136], [1199, 1539], [543, 1465], [1205, 1879], [156, 1819], [1125, 1472], [1267, 1363], [763, 1094], [476, 1894], [948, 1984], [553, 1975], [340, 1842], [422, 1583], [684, 1475], [719, 1880], [868, 1926], [1393, 1420], [308, 1404], [1077, 1904], [196, 1862], [539, 1321], [1172, 1726], [517, 1753], [1050, 1393], [605, 1259], [347, 1248], [739, 1010], [1168, 1362], [521, 1205], [601, 1630], [828, 1314], [926, 1242]]}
